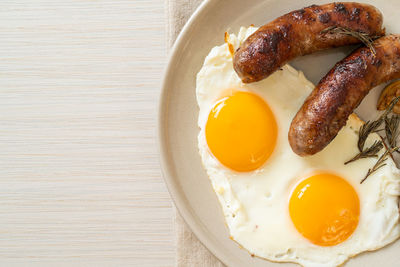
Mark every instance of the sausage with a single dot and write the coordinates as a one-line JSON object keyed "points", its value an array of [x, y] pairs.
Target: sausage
{"points": [[299, 33], [327, 108]]}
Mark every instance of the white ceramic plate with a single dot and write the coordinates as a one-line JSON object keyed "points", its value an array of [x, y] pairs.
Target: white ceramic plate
{"points": [[186, 179]]}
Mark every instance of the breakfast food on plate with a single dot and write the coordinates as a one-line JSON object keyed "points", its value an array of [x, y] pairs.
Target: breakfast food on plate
{"points": [[326, 110], [303, 32], [391, 91], [277, 205]]}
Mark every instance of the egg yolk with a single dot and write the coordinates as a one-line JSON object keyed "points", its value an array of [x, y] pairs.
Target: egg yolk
{"points": [[241, 131], [325, 209]]}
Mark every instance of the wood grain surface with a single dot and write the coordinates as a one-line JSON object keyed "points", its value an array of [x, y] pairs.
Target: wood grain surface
{"points": [[80, 182]]}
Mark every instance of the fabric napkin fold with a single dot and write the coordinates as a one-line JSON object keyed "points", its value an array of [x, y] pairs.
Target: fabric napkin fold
{"points": [[189, 251]]}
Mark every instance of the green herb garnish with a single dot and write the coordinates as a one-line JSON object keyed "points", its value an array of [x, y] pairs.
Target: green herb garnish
{"points": [[366, 39], [379, 163], [370, 152], [392, 132]]}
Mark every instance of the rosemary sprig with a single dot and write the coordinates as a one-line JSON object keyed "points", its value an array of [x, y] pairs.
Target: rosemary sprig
{"points": [[379, 163], [372, 126], [366, 129], [391, 106], [362, 36], [392, 130], [390, 142], [370, 152]]}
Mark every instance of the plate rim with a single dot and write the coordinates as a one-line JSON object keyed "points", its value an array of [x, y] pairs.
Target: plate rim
{"points": [[172, 186]]}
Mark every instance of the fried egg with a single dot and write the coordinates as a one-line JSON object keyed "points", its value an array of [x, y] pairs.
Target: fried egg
{"points": [[277, 205]]}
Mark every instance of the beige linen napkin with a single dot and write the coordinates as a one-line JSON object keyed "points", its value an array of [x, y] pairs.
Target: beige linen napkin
{"points": [[189, 251]]}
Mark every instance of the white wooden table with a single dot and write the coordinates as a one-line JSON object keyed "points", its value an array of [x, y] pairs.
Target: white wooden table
{"points": [[80, 182]]}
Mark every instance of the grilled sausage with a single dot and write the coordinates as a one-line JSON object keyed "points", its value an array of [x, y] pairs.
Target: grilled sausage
{"points": [[327, 108], [299, 33]]}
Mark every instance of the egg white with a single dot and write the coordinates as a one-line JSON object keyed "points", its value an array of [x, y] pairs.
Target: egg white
{"points": [[255, 204]]}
